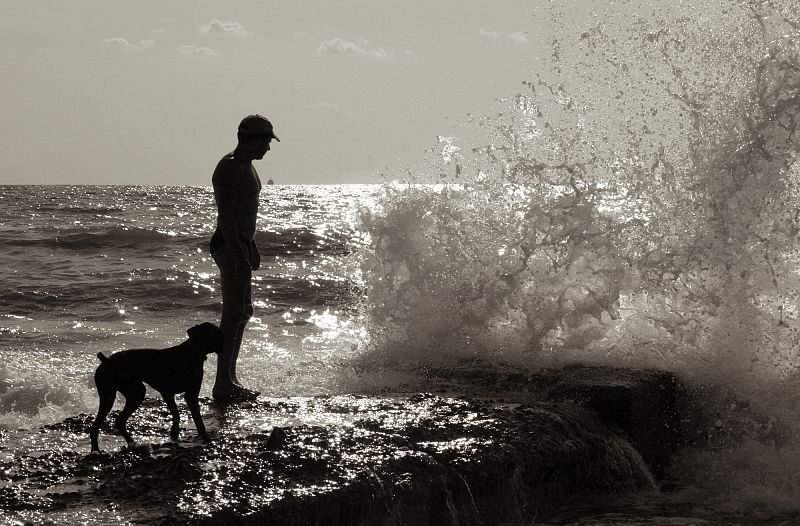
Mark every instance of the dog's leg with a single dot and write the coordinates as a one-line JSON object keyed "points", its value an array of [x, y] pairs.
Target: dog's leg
{"points": [[107, 397], [169, 399], [134, 395], [194, 408]]}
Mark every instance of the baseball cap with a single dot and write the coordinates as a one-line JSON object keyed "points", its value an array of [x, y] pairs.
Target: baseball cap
{"points": [[257, 125]]}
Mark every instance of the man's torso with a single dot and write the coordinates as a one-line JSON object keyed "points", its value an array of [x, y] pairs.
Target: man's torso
{"points": [[236, 190]]}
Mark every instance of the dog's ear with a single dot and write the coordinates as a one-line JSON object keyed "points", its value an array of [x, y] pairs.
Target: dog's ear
{"points": [[195, 331]]}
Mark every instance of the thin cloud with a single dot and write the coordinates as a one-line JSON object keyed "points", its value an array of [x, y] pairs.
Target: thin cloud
{"points": [[360, 48], [492, 35], [219, 27], [518, 37], [127, 46], [197, 51]]}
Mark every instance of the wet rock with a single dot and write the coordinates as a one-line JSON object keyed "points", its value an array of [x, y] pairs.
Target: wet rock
{"points": [[425, 460], [520, 447], [642, 404], [276, 440], [420, 460]]}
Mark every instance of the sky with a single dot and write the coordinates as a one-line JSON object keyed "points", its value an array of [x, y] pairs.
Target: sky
{"points": [[151, 92]]}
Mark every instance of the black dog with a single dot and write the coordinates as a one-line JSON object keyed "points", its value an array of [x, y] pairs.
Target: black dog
{"points": [[178, 369]]}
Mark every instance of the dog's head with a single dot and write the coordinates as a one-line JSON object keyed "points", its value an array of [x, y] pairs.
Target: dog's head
{"points": [[208, 336]]}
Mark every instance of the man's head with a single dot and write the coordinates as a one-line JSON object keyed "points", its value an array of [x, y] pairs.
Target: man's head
{"points": [[255, 133]]}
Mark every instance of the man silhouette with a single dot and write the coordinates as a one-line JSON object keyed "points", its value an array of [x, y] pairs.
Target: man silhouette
{"points": [[233, 246]]}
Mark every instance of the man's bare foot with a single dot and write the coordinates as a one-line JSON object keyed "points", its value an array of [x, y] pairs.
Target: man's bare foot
{"points": [[235, 394]]}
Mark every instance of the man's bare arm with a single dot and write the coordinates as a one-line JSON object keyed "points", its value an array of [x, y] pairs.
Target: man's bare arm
{"points": [[228, 197], [255, 255]]}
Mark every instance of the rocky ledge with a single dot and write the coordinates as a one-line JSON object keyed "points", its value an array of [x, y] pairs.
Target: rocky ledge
{"points": [[411, 460]]}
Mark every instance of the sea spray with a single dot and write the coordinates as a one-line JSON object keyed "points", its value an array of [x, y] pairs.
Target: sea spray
{"points": [[636, 204], [660, 183], [470, 273]]}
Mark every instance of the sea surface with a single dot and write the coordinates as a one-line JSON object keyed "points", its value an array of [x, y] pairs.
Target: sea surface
{"points": [[92, 268], [633, 202]]}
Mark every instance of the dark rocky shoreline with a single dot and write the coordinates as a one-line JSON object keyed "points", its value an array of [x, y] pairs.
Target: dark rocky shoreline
{"points": [[407, 460]]}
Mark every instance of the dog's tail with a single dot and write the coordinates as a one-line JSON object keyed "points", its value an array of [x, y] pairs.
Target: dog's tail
{"points": [[103, 357]]}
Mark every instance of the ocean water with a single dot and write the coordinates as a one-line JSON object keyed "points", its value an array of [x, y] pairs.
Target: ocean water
{"points": [[92, 268], [634, 202]]}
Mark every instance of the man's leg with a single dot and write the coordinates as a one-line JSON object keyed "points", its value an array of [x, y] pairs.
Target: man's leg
{"points": [[234, 317], [248, 313]]}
